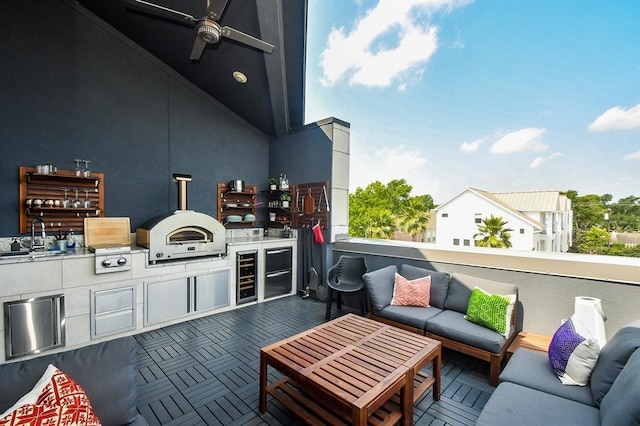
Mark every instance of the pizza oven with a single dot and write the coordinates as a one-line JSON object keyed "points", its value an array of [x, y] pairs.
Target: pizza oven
{"points": [[183, 233]]}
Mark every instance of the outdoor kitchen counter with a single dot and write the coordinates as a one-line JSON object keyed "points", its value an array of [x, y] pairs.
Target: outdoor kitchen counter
{"points": [[238, 241], [56, 255], [73, 275]]}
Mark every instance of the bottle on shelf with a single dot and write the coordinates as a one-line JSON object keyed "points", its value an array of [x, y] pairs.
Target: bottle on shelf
{"points": [[71, 239]]}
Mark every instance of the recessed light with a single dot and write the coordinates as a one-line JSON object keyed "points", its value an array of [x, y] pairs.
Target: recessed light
{"points": [[240, 77]]}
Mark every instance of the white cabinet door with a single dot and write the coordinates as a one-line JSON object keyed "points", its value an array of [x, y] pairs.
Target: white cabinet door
{"points": [[166, 300], [211, 290]]}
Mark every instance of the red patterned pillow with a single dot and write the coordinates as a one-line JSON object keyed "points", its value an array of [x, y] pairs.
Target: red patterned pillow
{"points": [[411, 293], [55, 400]]}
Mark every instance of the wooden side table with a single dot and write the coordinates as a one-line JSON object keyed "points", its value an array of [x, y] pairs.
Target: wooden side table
{"points": [[531, 341]]}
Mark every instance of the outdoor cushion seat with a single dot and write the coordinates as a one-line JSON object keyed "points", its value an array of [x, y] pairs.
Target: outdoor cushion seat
{"points": [[413, 316], [531, 393], [533, 369], [452, 325], [512, 404]]}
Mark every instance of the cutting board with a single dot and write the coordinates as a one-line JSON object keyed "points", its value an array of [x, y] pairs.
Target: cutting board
{"points": [[107, 231]]}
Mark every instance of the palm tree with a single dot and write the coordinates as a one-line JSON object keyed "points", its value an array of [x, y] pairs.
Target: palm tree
{"points": [[414, 218], [379, 224], [493, 233]]}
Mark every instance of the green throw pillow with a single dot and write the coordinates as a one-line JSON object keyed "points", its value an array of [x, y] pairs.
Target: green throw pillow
{"points": [[491, 310]]}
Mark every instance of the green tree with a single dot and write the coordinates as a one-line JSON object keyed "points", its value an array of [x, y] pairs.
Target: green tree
{"points": [[588, 211], [594, 241], [414, 217], [378, 210], [493, 233], [625, 214]]}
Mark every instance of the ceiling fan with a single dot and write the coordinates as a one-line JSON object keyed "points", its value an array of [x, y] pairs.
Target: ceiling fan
{"points": [[208, 31]]}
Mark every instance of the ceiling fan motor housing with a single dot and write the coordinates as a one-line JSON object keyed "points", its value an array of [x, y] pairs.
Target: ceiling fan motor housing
{"points": [[209, 31]]}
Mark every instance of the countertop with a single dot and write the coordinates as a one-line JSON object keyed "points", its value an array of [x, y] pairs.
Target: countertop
{"points": [[84, 252], [236, 241]]}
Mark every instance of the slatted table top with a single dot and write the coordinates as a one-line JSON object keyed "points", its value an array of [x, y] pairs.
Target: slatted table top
{"points": [[355, 363]]}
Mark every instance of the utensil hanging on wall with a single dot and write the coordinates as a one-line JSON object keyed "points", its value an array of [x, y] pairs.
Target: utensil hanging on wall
{"points": [[309, 202], [326, 199]]}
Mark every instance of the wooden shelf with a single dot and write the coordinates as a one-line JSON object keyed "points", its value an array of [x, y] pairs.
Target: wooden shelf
{"points": [[245, 203], [48, 187]]}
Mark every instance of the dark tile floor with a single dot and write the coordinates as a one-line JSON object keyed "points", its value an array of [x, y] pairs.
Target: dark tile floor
{"points": [[205, 371]]}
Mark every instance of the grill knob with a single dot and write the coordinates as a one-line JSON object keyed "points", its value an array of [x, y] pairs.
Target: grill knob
{"points": [[122, 261], [106, 263], [159, 254]]}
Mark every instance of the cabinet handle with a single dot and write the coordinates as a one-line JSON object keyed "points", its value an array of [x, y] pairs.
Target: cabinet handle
{"points": [[278, 251], [277, 274]]}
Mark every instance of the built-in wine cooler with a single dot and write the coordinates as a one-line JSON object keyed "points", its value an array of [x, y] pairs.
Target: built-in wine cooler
{"points": [[246, 276]]}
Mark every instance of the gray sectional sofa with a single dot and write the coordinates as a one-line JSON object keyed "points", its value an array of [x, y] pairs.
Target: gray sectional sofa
{"points": [[444, 318], [106, 371], [531, 394]]}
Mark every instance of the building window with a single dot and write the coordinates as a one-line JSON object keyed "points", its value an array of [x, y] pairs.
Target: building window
{"points": [[522, 230], [478, 217], [456, 241], [445, 214], [466, 243]]}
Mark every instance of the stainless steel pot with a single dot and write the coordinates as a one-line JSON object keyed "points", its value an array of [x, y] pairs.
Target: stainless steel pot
{"points": [[236, 185]]}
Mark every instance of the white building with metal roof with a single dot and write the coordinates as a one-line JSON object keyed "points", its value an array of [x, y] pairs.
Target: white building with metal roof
{"points": [[540, 220]]}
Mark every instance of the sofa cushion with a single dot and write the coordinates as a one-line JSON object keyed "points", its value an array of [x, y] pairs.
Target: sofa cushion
{"points": [[512, 404], [612, 359], [620, 405], [413, 316], [411, 292], [533, 370], [55, 399], [106, 371], [462, 285], [380, 286], [452, 325], [494, 311], [573, 352], [439, 282]]}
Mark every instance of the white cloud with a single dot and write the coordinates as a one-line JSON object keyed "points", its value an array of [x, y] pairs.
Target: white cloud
{"points": [[632, 156], [387, 164], [473, 146], [617, 118], [527, 139], [400, 159], [539, 161], [362, 54]]}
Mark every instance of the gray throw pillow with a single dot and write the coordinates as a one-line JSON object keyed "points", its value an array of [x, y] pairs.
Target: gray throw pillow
{"points": [[613, 357], [620, 405], [380, 286], [439, 282]]}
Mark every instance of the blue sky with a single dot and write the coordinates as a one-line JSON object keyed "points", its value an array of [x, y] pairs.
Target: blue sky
{"points": [[500, 95]]}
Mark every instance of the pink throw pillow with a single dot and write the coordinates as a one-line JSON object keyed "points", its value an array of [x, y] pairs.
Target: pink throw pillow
{"points": [[411, 293]]}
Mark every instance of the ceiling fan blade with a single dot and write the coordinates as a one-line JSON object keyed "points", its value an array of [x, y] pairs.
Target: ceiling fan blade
{"points": [[244, 38], [161, 11], [215, 9], [198, 48]]}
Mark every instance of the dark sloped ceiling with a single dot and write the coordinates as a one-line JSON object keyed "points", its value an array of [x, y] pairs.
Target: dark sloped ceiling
{"points": [[273, 98]]}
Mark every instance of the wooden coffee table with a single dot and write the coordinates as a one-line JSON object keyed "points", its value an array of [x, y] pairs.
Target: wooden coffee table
{"points": [[350, 371]]}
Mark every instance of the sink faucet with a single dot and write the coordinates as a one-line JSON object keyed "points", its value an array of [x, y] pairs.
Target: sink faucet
{"points": [[33, 233]]}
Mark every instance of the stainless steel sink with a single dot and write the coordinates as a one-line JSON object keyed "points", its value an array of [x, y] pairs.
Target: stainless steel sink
{"points": [[30, 254], [14, 253]]}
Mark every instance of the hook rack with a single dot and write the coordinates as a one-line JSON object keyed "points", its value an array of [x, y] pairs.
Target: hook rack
{"points": [[321, 204]]}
